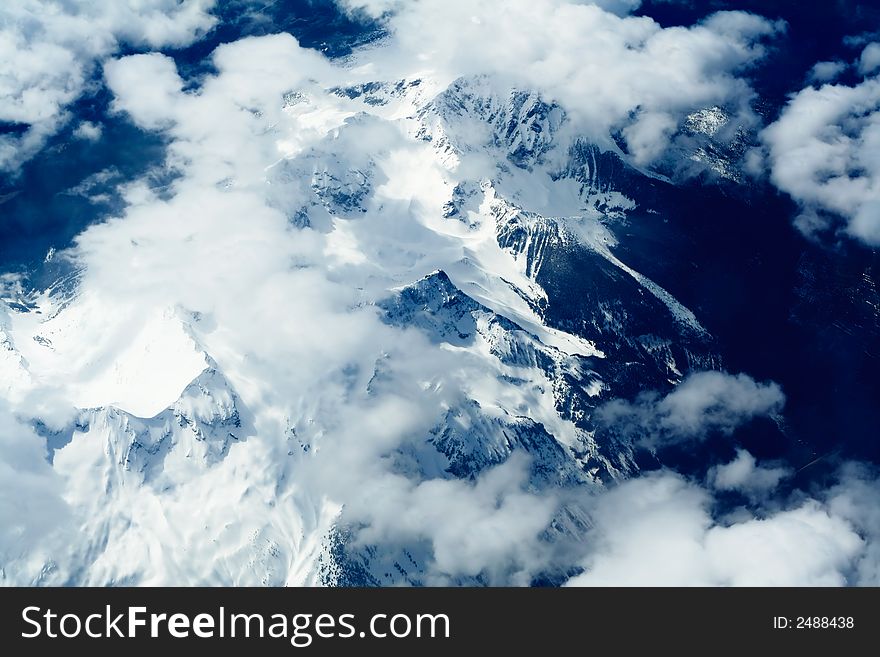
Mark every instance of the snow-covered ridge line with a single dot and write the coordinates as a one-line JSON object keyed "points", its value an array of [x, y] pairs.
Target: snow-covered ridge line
{"points": [[348, 275]]}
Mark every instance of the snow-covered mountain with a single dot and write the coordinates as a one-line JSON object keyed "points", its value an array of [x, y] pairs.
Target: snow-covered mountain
{"points": [[356, 292], [502, 312]]}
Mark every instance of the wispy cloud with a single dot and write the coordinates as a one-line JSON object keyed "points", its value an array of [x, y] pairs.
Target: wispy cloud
{"points": [[704, 402]]}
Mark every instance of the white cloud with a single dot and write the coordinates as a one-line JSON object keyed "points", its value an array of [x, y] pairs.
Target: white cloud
{"points": [[658, 530], [88, 130], [610, 72], [616, 71], [491, 526], [379, 8], [145, 86], [704, 402], [48, 51], [716, 400], [745, 475], [826, 71], [372, 8], [856, 498], [32, 510], [869, 61], [823, 152]]}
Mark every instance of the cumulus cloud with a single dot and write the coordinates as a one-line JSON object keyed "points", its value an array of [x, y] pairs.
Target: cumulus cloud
{"points": [[823, 152], [145, 86], [490, 527], [704, 402], [88, 130], [211, 127], [856, 498], [373, 8], [869, 61], [612, 73], [658, 530], [48, 52], [826, 71], [743, 474]]}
